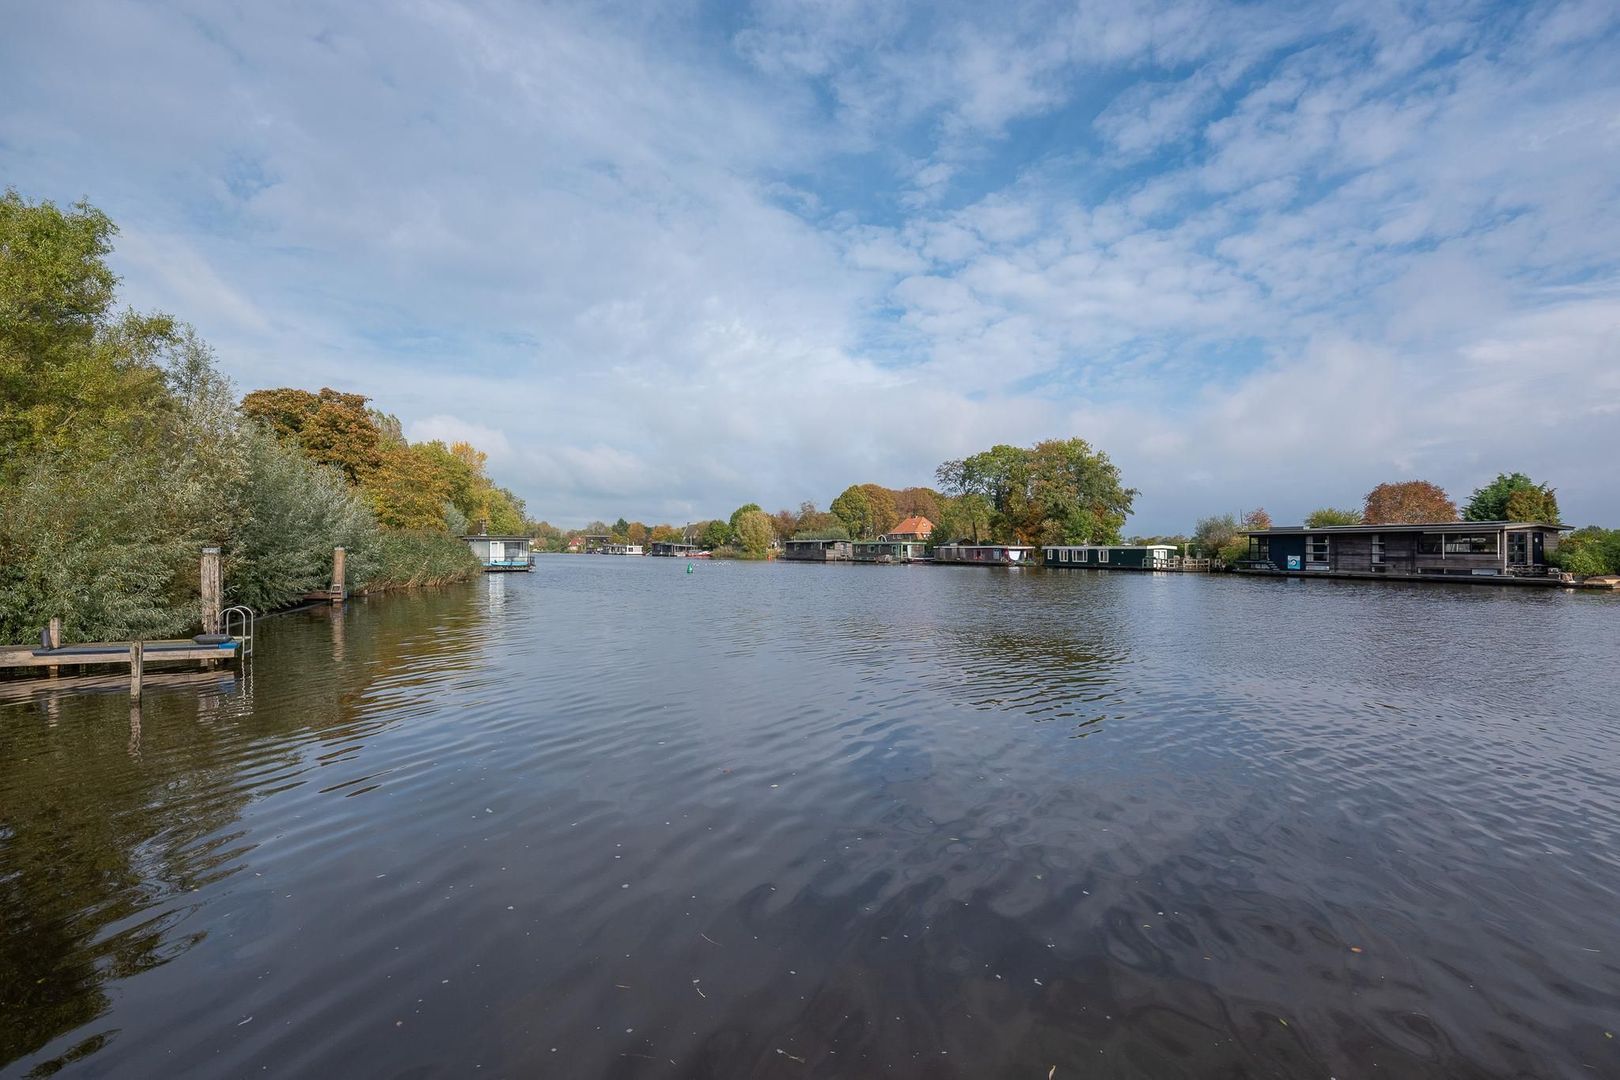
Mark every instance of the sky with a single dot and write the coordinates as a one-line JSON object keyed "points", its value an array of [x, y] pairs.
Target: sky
{"points": [[661, 259]]}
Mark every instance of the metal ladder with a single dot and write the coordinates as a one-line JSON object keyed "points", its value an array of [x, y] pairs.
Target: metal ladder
{"points": [[241, 617]]}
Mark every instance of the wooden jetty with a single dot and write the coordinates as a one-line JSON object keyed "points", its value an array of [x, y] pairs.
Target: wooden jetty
{"points": [[217, 643]]}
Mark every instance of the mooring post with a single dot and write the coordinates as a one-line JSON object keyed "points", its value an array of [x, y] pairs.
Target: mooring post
{"points": [[137, 657], [213, 590], [53, 640], [339, 560]]}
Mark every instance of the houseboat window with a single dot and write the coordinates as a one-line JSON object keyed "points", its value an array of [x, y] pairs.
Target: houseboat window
{"points": [[1518, 548], [1429, 543], [1316, 549], [1378, 549], [1470, 544], [1102, 555], [1260, 548]]}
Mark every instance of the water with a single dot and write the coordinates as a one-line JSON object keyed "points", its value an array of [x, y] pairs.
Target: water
{"points": [[611, 819]]}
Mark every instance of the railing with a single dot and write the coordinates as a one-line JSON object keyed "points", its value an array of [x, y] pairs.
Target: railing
{"points": [[242, 618]]}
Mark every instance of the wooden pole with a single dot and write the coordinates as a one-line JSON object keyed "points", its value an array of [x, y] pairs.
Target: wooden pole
{"points": [[339, 560], [137, 657], [213, 591], [53, 640]]}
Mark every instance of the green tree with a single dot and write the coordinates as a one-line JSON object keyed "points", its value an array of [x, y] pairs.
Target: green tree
{"points": [[1327, 515], [754, 533], [881, 506], [715, 534], [854, 509], [1589, 552], [1513, 497], [1213, 534], [71, 367], [736, 515]]}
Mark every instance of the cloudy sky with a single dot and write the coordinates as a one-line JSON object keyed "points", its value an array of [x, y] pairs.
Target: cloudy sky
{"points": [[662, 258]]}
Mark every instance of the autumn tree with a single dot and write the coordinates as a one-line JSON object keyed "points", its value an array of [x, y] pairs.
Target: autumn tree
{"points": [[664, 534], [1327, 516], [1216, 533], [881, 501], [331, 427], [1513, 497], [1408, 502], [917, 502], [785, 522], [1256, 518], [736, 516], [818, 524]]}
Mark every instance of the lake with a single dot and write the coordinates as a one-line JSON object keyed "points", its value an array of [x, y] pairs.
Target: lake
{"points": [[611, 819]]}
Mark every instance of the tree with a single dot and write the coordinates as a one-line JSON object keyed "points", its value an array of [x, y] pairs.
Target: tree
{"points": [[754, 533], [918, 502], [664, 534], [880, 501], [1589, 552], [736, 515], [1326, 516], [1513, 497], [715, 534], [813, 521], [854, 509], [407, 491], [1408, 502], [965, 517], [1257, 519], [621, 527], [1059, 491], [331, 427], [785, 522], [70, 365], [1216, 534]]}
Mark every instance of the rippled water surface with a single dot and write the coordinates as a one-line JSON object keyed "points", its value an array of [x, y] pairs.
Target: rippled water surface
{"points": [[613, 819]]}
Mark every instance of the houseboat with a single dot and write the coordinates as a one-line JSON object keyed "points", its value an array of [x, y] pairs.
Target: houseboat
{"points": [[1501, 551], [502, 553], [622, 549], [666, 549], [1112, 556], [889, 551], [962, 551], [817, 551]]}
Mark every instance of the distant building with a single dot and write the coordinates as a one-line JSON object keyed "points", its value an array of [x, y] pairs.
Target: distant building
{"points": [[1453, 549], [914, 528], [500, 553], [888, 550], [671, 550], [817, 550], [1111, 556]]}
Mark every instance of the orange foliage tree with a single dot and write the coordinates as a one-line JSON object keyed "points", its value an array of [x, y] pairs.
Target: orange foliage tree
{"points": [[1408, 502]]}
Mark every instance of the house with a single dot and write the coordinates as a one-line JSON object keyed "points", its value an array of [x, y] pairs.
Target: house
{"points": [[915, 528], [817, 551], [969, 553], [888, 550], [669, 550], [502, 553], [1112, 556], [1452, 550]]}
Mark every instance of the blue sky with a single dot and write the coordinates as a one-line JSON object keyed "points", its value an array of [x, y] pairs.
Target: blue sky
{"points": [[660, 260]]}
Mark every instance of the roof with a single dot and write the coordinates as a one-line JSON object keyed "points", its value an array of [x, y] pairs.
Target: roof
{"points": [[916, 523], [1428, 526], [493, 536]]}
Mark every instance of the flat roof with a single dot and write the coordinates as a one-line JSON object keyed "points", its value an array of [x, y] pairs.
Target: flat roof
{"points": [[1429, 526], [482, 536]]}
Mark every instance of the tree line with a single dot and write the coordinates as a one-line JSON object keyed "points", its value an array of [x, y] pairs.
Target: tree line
{"points": [[124, 450], [1059, 491]]}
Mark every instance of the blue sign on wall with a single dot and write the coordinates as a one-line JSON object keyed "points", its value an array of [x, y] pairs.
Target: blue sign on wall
{"points": [[1293, 562]]}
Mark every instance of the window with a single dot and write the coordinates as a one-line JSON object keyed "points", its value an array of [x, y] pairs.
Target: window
{"points": [[1316, 549], [1429, 543], [1378, 549], [1102, 555], [1470, 543], [1519, 548], [1085, 554], [1260, 548]]}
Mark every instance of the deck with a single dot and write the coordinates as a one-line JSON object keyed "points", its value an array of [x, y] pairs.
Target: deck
{"points": [[114, 653]]}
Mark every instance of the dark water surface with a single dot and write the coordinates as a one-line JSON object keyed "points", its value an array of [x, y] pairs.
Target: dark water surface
{"points": [[611, 819]]}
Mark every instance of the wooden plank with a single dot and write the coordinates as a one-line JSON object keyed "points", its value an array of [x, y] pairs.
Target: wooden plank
{"points": [[21, 658], [213, 590]]}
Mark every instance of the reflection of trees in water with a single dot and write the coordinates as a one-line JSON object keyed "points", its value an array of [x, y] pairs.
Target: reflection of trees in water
{"points": [[111, 817]]}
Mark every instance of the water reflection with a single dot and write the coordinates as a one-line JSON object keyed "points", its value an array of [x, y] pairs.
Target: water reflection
{"points": [[611, 819], [104, 838]]}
